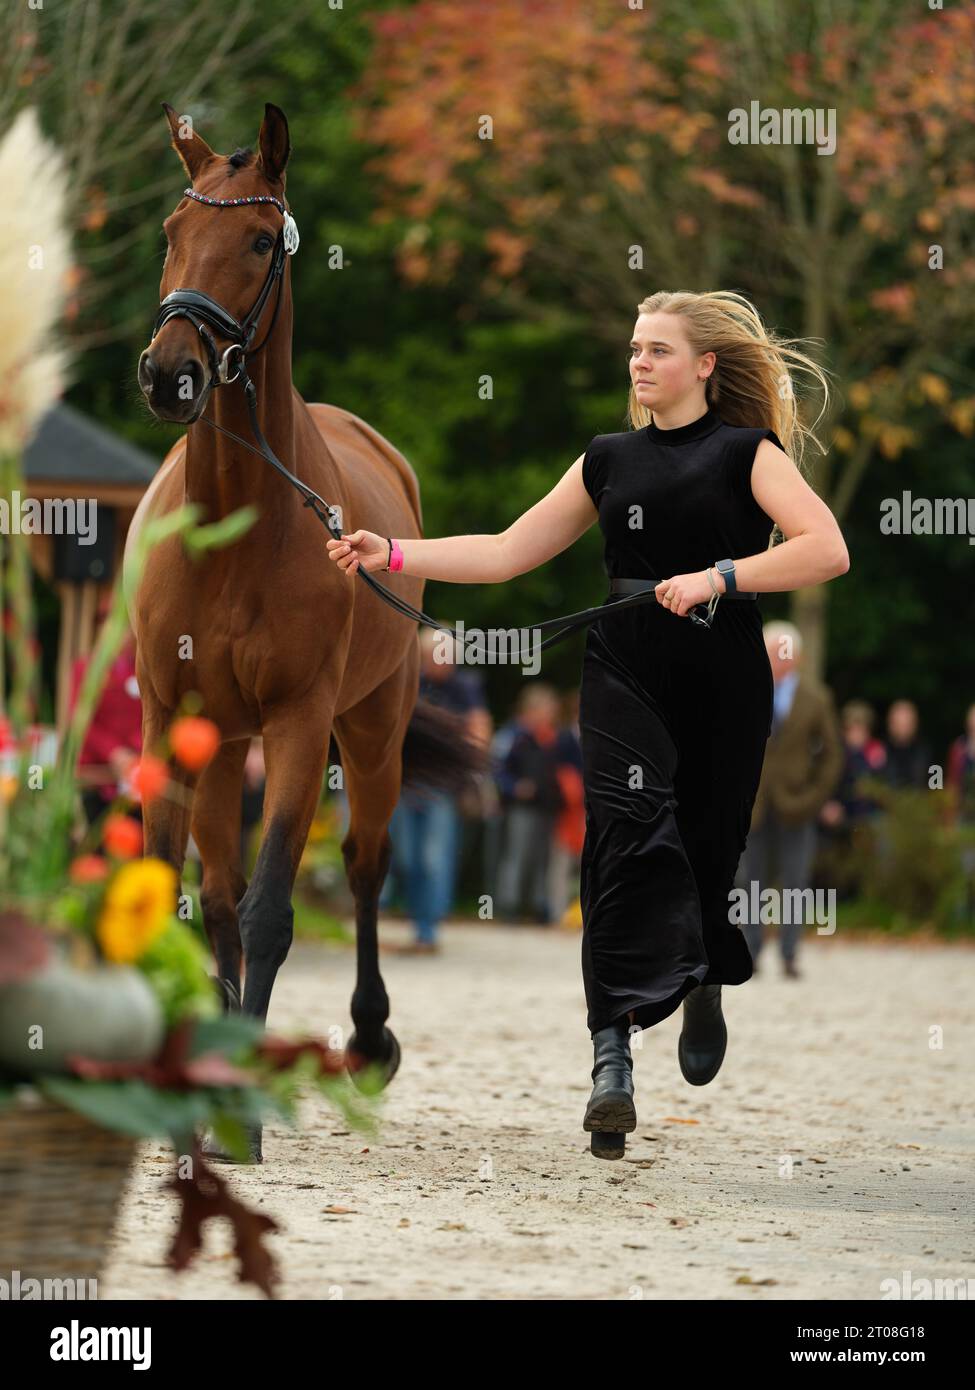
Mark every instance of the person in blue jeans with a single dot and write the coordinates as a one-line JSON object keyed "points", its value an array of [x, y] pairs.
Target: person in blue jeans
{"points": [[425, 831], [425, 828]]}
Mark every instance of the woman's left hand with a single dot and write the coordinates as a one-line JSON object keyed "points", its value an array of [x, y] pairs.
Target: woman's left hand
{"points": [[684, 591]]}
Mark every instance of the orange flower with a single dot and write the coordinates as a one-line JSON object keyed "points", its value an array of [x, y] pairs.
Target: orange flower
{"points": [[88, 868], [149, 778], [122, 837], [194, 741]]}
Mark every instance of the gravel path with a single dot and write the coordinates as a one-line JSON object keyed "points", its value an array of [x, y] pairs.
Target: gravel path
{"points": [[833, 1150]]}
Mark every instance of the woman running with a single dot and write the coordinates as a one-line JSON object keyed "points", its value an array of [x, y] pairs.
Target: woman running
{"points": [[676, 698]]}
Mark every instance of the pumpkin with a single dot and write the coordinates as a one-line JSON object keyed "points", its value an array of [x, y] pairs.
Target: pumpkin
{"points": [[109, 1013]]}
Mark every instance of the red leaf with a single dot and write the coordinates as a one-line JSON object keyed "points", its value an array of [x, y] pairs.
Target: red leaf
{"points": [[206, 1195], [92, 1070], [284, 1052], [212, 1069], [172, 1069]]}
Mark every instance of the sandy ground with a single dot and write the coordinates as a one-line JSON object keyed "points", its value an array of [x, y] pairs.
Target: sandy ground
{"points": [[833, 1150]]}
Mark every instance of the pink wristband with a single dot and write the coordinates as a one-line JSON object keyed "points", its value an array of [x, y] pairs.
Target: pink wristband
{"points": [[395, 557]]}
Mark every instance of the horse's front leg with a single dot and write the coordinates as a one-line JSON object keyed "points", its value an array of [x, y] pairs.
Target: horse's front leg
{"points": [[295, 751], [370, 736], [215, 827]]}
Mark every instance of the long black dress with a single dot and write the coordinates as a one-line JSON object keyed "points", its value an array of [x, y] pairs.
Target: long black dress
{"points": [[674, 720]]}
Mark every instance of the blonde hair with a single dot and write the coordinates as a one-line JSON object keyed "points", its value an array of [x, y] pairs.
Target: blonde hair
{"points": [[752, 380]]}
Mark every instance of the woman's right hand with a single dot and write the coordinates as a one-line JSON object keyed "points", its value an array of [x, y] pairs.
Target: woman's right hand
{"points": [[363, 548]]}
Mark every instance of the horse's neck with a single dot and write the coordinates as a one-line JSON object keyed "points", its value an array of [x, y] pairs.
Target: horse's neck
{"points": [[223, 475]]}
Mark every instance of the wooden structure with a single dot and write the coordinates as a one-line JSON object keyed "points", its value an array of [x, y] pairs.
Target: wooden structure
{"points": [[73, 457]]}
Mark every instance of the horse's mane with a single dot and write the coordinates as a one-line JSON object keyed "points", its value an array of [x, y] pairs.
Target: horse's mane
{"points": [[240, 158]]}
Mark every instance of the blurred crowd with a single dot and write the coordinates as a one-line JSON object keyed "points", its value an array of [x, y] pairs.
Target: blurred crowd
{"points": [[519, 828]]}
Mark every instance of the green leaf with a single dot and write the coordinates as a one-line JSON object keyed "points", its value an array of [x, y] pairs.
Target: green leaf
{"points": [[232, 1135], [176, 964], [357, 1110], [161, 527], [223, 532], [228, 1034], [131, 1107]]}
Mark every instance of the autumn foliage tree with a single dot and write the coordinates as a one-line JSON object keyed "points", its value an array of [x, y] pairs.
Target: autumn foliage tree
{"points": [[569, 158]]}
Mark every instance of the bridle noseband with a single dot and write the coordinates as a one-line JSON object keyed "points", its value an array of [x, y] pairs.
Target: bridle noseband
{"points": [[205, 313]]}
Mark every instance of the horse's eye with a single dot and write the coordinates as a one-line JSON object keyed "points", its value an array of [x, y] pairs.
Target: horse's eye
{"points": [[263, 244]]}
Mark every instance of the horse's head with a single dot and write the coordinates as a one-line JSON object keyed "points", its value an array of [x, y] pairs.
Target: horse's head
{"points": [[223, 277]]}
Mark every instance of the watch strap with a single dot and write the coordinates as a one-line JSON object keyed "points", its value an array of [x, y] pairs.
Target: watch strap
{"points": [[727, 568]]}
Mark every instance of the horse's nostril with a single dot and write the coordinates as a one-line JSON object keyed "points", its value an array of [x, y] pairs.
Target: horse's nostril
{"points": [[189, 380], [147, 373]]}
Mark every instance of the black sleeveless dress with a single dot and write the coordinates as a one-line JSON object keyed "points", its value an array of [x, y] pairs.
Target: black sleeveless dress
{"points": [[674, 720]]}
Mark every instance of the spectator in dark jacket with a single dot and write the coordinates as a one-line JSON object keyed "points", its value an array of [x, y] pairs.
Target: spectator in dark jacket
{"points": [[865, 758], [908, 756], [528, 781], [426, 826]]}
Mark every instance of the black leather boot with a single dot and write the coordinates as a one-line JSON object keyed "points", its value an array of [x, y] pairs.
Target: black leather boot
{"points": [[704, 1036], [611, 1114]]}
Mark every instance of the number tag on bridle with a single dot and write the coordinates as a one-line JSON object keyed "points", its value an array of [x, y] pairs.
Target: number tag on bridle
{"points": [[290, 234]]}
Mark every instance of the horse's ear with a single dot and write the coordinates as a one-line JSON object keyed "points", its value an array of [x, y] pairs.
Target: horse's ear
{"points": [[275, 143], [192, 149]]}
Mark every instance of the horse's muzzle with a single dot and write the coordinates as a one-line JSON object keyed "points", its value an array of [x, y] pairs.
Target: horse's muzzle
{"points": [[174, 394]]}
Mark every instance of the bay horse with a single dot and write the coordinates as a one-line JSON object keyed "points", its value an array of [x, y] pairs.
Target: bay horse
{"points": [[276, 641]]}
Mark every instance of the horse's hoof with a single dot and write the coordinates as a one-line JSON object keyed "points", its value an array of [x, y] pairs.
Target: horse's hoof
{"points": [[210, 1147], [387, 1064], [228, 993]]}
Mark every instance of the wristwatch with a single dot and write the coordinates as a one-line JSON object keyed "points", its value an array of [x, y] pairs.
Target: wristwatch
{"points": [[727, 568]]}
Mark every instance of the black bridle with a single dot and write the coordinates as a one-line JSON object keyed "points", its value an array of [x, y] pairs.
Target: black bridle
{"points": [[206, 313]]}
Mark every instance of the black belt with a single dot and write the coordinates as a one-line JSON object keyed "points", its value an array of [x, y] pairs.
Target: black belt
{"points": [[636, 586], [638, 590]]}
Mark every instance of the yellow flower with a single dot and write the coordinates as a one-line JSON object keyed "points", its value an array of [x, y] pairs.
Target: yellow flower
{"points": [[140, 900]]}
